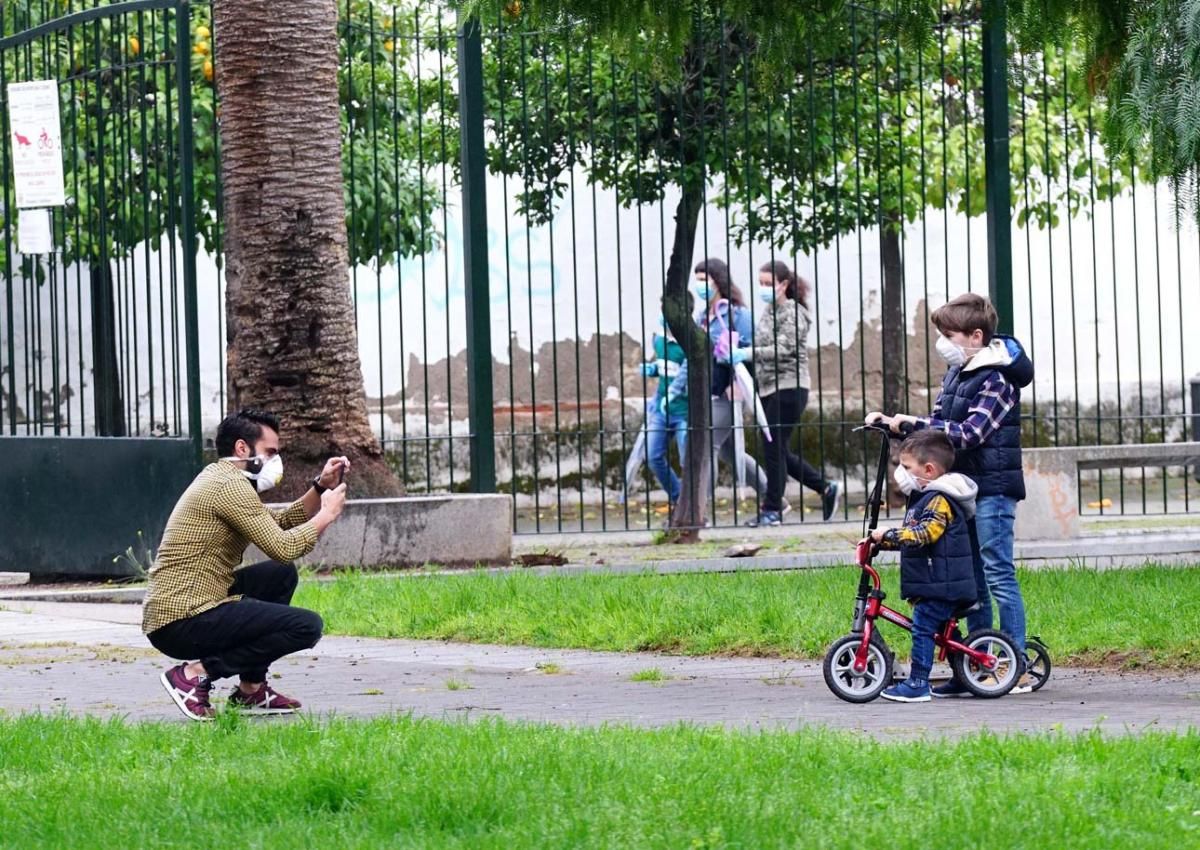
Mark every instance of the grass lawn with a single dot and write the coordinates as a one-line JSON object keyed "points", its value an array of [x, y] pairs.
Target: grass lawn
{"points": [[399, 782], [1129, 617]]}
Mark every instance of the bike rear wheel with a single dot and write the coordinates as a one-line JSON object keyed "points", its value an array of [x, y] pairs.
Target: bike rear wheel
{"points": [[978, 679], [1037, 662], [849, 684]]}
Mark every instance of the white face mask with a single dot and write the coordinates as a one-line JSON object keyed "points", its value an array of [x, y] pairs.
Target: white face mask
{"points": [[266, 472], [906, 481], [954, 355]]}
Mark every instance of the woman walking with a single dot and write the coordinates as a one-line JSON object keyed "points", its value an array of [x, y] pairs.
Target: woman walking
{"points": [[727, 319], [780, 355]]}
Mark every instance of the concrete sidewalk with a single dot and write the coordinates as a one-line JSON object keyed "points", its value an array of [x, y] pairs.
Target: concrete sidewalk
{"points": [[92, 659]]}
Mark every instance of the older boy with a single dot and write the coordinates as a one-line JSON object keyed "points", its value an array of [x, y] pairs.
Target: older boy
{"points": [[979, 409]]}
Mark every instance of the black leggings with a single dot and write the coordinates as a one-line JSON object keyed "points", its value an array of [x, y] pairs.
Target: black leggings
{"points": [[783, 411], [245, 637]]}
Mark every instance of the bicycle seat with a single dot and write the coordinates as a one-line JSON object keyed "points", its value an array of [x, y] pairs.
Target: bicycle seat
{"points": [[965, 608]]}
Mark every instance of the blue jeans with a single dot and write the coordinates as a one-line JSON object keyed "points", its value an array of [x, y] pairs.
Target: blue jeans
{"points": [[995, 572], [659, 427], [929, 615]]}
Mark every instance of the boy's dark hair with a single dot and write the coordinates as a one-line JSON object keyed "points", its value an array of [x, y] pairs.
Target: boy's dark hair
{"points": [[966, 313], [247, 424], [929, 446]]}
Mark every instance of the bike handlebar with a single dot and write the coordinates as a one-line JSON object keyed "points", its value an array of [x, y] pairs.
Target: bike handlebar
{"points": [[905, 429]]}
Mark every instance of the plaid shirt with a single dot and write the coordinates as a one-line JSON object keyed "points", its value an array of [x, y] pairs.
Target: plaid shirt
{"points": [[925, 530], [206, 537], [996, 398]]}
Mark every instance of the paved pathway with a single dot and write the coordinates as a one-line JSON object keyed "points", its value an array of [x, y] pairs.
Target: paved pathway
{"points": [[92, 659]]}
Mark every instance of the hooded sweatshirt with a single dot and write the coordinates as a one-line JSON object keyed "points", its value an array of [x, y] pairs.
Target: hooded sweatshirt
{"points": [[979, 408]]}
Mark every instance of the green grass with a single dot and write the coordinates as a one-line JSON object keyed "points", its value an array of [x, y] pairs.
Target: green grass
{"points": [[1148, 616], [651, 674], [398, 782]]}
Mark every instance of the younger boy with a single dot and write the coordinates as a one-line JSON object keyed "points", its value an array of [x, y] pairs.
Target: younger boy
{"points": [[979, 409], [937, 572]]}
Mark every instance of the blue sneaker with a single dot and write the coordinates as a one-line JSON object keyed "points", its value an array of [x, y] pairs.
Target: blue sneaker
{"points": [[908, 691], [766, 518], [953, 689]]}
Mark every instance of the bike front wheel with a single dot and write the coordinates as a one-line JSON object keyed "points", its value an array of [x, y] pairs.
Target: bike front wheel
{"points": [[857, 686], [980, 680]]}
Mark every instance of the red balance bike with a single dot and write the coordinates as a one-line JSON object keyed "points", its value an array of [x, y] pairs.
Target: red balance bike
{"points": [[858, 666]]}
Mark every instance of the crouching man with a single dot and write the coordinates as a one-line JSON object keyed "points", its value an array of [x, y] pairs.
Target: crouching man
{"points": [[202, 606]]}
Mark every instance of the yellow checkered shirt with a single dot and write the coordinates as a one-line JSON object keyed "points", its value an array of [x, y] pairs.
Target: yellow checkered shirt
{"points": [[216, 518]]}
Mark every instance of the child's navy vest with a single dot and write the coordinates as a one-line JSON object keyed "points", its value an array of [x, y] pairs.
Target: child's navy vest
{"points": [[945, 570], [996, 465]]}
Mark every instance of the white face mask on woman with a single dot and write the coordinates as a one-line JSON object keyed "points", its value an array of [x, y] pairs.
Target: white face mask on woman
{"points": [[265, 472]]}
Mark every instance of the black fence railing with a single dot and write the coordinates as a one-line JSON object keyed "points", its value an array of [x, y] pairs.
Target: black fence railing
{"points": [[863, 169]]}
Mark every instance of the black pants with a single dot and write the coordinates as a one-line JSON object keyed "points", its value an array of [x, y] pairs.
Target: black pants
{"points": [[245, 637], [783, 411]]}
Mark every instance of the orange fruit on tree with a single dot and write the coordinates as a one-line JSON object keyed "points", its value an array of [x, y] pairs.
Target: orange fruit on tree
{"points": [[203, 31], [135, 46], [208, 70], [201, 48], [513, 8]]}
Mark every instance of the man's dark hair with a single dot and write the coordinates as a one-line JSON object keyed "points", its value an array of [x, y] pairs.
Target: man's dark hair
{"points": [[929, 446], [247, 424]]}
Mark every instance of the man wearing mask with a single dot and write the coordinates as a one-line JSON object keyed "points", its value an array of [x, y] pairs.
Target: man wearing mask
{"points": [[201, 604]]}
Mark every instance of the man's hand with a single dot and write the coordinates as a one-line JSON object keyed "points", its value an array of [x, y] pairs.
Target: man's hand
{"points": [[334, 501], [876, 418], [329, 475], [900, 419]]}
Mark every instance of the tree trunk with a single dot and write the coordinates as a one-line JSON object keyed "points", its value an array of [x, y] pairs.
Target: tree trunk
{"points": [[693, 494], [292, 340], [108, 403], [895, 371]]}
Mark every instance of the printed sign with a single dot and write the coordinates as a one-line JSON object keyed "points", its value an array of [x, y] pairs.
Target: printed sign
{"points": [[33, 232], [36, 143]]}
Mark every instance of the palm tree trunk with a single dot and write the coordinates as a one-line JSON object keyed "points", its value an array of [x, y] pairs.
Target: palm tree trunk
{"points": [[292, 340]]}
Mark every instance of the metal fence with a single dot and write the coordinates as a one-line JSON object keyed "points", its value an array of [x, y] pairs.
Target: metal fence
{"points": [[863, 169], [93, 333]]}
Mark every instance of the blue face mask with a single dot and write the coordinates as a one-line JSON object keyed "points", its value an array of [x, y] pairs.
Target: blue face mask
{"points": [[766, 294], [700, 290]]}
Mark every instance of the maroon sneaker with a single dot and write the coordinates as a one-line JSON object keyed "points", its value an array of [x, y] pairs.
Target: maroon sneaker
{"points": [[266, 700], [191, 695]]}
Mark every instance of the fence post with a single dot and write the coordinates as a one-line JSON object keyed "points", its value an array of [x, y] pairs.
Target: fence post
{"points": [[187, 224], [475, 257], [995, 159]]}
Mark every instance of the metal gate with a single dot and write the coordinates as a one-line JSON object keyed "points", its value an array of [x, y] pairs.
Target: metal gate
{"points": [[98, 334]]}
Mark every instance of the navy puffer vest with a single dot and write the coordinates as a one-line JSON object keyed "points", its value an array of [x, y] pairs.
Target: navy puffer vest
{"points": [[996, 465], [945, 570]]}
